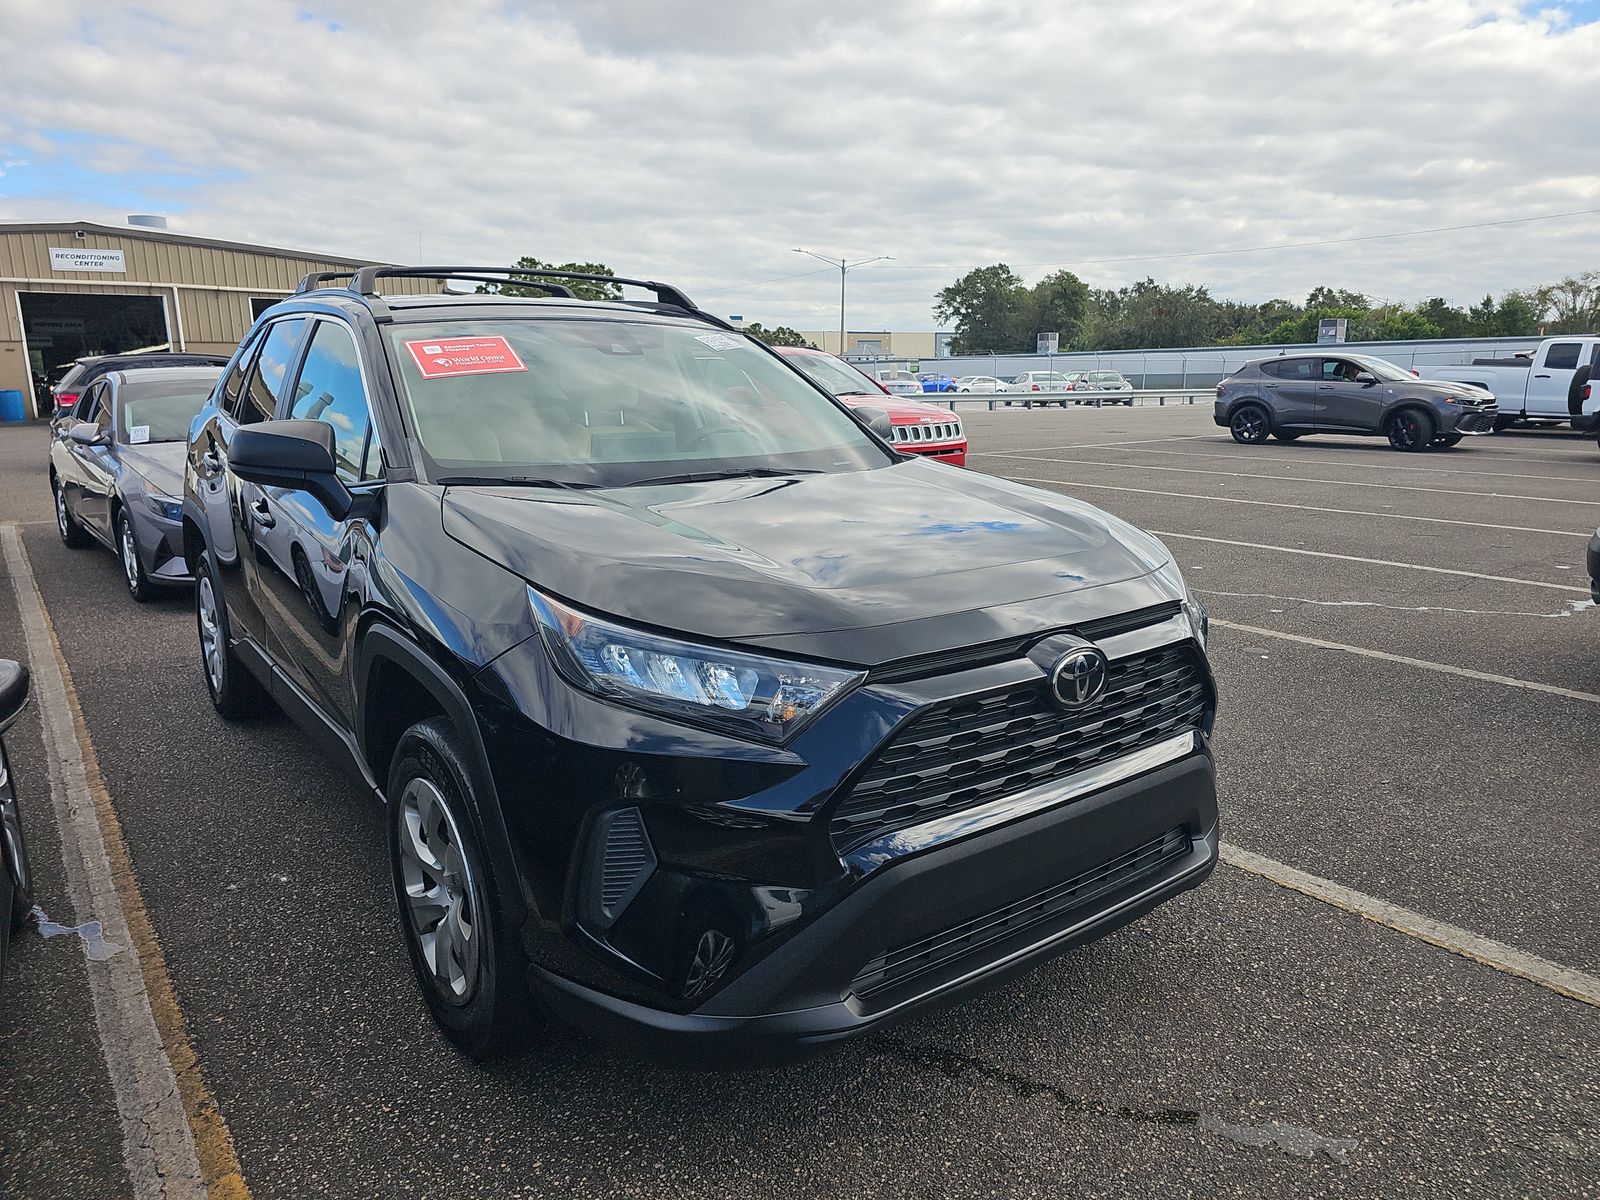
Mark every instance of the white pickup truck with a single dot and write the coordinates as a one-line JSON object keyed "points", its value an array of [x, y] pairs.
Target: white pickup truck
{"points": [[1552, 383]]}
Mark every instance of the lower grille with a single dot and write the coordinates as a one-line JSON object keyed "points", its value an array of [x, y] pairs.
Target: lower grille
{"points": [[966, 752], [1476, 422], [894, 968]]}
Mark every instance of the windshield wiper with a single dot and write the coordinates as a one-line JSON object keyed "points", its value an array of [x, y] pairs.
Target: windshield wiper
{"points": [[512, 481], [738, 473]]}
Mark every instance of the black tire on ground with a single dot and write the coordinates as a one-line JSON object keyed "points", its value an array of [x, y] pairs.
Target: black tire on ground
{"points": [[139, 585], [18, 866], [1575, 392], [1501, 424], [72, 534], [235, 692], [469, 961], [1288, 435], [1412, 430], [1250, 424]]}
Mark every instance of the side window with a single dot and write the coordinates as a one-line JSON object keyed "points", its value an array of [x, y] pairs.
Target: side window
{"points": [[84, 409], [233, 382], [1563, 356], [1337, 370], [1288, 368], [330, 389], [101, 412], [265, 377]]}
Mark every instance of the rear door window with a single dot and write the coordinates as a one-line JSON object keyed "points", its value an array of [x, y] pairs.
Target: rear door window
{"points": [[1288, 368], [1563, 356]]}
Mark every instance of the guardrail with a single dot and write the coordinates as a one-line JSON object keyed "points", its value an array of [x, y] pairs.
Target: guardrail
{"points": [[1151, 397]]}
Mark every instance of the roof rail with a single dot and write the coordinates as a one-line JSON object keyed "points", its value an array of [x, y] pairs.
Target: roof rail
{"points": [[315, 280], [365, 280]]}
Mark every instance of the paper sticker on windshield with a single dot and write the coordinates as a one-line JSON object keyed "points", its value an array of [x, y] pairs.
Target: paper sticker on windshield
{"points": [[138, 435], [717, 341], [440, 358]]}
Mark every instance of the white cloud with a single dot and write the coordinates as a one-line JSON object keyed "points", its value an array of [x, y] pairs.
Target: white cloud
{"points": [[699, 142]]}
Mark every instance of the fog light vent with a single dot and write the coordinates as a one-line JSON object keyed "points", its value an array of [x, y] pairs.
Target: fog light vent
{"points": [[626, 860]]}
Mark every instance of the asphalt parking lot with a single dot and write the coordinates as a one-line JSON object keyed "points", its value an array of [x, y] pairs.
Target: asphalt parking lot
{"points": [[1409, 670]]}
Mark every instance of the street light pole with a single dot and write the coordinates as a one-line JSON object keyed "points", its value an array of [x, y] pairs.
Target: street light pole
{"points": [[845, 266]]}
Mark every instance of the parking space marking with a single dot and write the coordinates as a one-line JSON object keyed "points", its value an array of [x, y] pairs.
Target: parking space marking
{"points": [[1423, 663], [1347, 512], [1375, 562], [1356, 483], [1177, 437], [1566, 981], [1385, 466], [174, 1141]]}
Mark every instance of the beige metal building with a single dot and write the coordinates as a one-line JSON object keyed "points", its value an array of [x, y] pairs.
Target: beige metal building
{"points": [[70, 289], [881, 343]]}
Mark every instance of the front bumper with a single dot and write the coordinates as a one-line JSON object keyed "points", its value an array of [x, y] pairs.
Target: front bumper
{"points": [[935, 927], [161, 550], [1474, 422], [1594, 567]]}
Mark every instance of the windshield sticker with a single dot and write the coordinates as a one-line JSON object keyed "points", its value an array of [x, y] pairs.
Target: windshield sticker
{"points": [[718, 341], [138, 435], [441, 358]]}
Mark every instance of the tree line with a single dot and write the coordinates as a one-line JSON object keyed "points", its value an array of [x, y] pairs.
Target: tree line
{"points": [[991, 309]]}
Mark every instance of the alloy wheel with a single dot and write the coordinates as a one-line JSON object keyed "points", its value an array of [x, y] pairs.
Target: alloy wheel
{"points": [[441, 895], [63, 523], [1250, 425], [11, 831], [1407, 431], [130, 554], [210, 633]]}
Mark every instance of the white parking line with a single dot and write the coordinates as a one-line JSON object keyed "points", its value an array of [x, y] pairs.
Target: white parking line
{"points": [[1527, 685], [1376, 562], [1181, 437], [1073, 484], [1565, 981], [158, 1148], [1355, 483], [1369, 462]]}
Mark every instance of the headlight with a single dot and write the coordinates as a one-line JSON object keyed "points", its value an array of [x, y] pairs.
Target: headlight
{"points": [[763, 697], [1193, 609], [164, 506]]}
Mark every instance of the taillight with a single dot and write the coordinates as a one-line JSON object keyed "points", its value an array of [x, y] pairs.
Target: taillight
{"points": [[66, 399], [1416, 372], [1586, 388], [1035, 387]]}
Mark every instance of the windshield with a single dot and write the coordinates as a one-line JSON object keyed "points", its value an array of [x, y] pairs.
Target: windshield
{"points": [[160, 412], [838, 377], [606, 403], [1384, 369]]}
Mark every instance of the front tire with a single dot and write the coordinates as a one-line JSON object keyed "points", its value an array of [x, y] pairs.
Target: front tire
{"points": [[468, 961], [17, 866], [235, 693], [1575, 390], [139, 585], [1250, 425], [1412, 430], [72, 534]]}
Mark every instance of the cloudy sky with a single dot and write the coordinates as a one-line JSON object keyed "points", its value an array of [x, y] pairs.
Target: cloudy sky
{"points": [[700, 142]]}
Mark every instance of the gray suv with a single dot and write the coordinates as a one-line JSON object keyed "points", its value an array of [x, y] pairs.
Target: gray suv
{"points": [[1293, 395]]}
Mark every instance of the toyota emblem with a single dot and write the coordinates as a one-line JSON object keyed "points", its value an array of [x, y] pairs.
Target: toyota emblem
{"points": [[1078, 677]]}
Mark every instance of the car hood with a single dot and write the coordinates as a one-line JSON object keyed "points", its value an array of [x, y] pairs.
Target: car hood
{"points": [[160, 464], [762, 560], [901, 411]]}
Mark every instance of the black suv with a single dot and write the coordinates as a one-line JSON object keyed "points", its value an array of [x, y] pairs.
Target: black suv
{"points": [[704, 719], [71, 387], [1292, 395]]}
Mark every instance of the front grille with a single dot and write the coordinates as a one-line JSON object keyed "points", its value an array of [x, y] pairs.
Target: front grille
{"points": [[967, 752], [1475, 422], [935, 431], [894, 968]]}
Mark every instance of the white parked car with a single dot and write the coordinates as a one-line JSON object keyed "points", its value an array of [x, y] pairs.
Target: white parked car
{"points": [[1050, 382], [980, 383], [900, 383]]}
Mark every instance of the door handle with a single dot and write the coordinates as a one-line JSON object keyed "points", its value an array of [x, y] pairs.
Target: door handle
{"points": [[1541, 377], [262, 514], [1271, 387], [211, 463]]}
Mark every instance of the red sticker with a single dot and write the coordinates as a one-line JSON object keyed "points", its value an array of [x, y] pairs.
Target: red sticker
{"points": [[440, 358]]}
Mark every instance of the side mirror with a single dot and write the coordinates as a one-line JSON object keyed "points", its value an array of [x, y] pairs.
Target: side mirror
{"points": [[87, 433], [1366, 377], [13, 693], [291, 454], [878, 421]]}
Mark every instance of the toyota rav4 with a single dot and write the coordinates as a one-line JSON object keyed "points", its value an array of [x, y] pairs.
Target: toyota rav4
{"points": [[704, 719]]}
